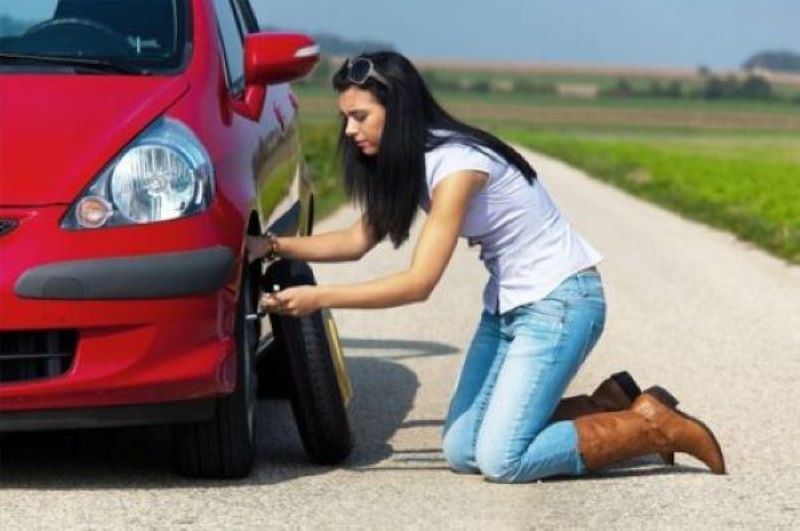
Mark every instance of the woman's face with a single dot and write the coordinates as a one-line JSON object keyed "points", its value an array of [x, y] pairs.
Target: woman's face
{"points": [[364, 118]]}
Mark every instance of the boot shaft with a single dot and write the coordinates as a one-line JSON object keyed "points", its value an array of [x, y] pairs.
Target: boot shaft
{"points": [[648, 426]]}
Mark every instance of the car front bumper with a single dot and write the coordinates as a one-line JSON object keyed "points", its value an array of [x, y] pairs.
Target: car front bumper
{"points": [[152, 312]]}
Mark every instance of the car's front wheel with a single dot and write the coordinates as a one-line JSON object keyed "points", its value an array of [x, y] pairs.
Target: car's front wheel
{"points": [[224, 446]]}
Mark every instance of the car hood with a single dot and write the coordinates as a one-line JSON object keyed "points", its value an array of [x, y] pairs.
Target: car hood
{"points": [[57, 132]]}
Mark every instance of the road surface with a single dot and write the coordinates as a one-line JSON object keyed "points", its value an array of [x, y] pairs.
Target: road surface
{"points": [[691, 308]]}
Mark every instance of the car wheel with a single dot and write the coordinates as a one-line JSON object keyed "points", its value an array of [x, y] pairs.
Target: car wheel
{"points": [[223, 447], [315, 391]]}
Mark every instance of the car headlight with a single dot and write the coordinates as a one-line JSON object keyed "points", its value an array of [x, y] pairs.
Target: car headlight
{"points": [[164, 174]]}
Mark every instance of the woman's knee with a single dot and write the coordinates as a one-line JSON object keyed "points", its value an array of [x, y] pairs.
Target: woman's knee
{"points": [[496, 463], [499, 470], [459, 452], [553, 452]]}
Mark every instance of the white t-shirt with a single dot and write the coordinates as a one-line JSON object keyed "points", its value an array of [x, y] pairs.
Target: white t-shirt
{"points": [[527, 246]]}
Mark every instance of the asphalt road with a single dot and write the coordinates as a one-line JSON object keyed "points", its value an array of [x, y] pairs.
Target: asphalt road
{"points": [[691, 308]]}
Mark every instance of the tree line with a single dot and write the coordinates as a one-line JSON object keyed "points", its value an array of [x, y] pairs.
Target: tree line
{"points": [[775, 60], [709, 86], [713, 87]]}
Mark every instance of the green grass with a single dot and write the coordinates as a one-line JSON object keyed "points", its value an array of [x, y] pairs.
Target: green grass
{"points": [[319, 139]]}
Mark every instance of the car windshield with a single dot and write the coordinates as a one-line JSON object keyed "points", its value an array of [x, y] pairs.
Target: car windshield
{"points": [[122, 35]]}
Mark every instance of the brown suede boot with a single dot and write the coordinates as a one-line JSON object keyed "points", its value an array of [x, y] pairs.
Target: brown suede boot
{"points": [[615, 393], [648, 426]]}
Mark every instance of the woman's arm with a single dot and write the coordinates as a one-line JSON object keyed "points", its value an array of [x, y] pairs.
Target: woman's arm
{"points": [[431, 255], [336, 246]]}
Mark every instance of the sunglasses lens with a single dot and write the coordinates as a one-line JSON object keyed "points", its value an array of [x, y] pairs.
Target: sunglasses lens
{"points": [[359, 70]]}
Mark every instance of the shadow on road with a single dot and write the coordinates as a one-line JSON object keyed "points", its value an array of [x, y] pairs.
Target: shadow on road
{"points": [[140, 458], [633, 468], [419, 349]]}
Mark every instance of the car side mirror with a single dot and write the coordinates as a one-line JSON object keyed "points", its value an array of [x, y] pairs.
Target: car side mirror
{"points": [[271, 58]]}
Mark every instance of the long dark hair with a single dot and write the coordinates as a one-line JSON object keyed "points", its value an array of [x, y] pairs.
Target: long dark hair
{"points": [[389, 185]]}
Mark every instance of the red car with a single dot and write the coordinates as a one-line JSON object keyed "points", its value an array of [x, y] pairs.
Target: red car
{"points": [[140, 141]]}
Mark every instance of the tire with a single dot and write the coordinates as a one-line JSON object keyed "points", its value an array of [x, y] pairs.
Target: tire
{"points": [[314, 390], [274, 376], [224, 446]]}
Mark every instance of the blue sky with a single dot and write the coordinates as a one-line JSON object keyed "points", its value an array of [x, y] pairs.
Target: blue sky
{"points": [[684, 33]]}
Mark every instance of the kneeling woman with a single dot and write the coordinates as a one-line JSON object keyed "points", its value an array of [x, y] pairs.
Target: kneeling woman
{"points": [[543, 306]]}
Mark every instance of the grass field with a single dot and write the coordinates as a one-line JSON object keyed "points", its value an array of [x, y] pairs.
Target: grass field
{"points": [[734, 166], [750, 186]]}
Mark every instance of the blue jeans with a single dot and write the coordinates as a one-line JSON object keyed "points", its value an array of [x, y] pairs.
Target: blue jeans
{"points": [[516, 370]]}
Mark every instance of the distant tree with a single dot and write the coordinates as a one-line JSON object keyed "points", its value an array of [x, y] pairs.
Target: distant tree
{"points": [[655, 89], [623, 88], [436, 80], [481, 85], [531, 86], [703, 71], [777, 60], [756, 88], [714, 88], [431, 77], [452, 84], [675, 89], [730, 87]]}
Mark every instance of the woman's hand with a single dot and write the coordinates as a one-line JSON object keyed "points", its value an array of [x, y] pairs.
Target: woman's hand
{"points": [[297, 301]]}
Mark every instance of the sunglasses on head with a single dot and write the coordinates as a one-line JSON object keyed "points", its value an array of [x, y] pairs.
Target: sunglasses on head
{"points": [[360, 69]]}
